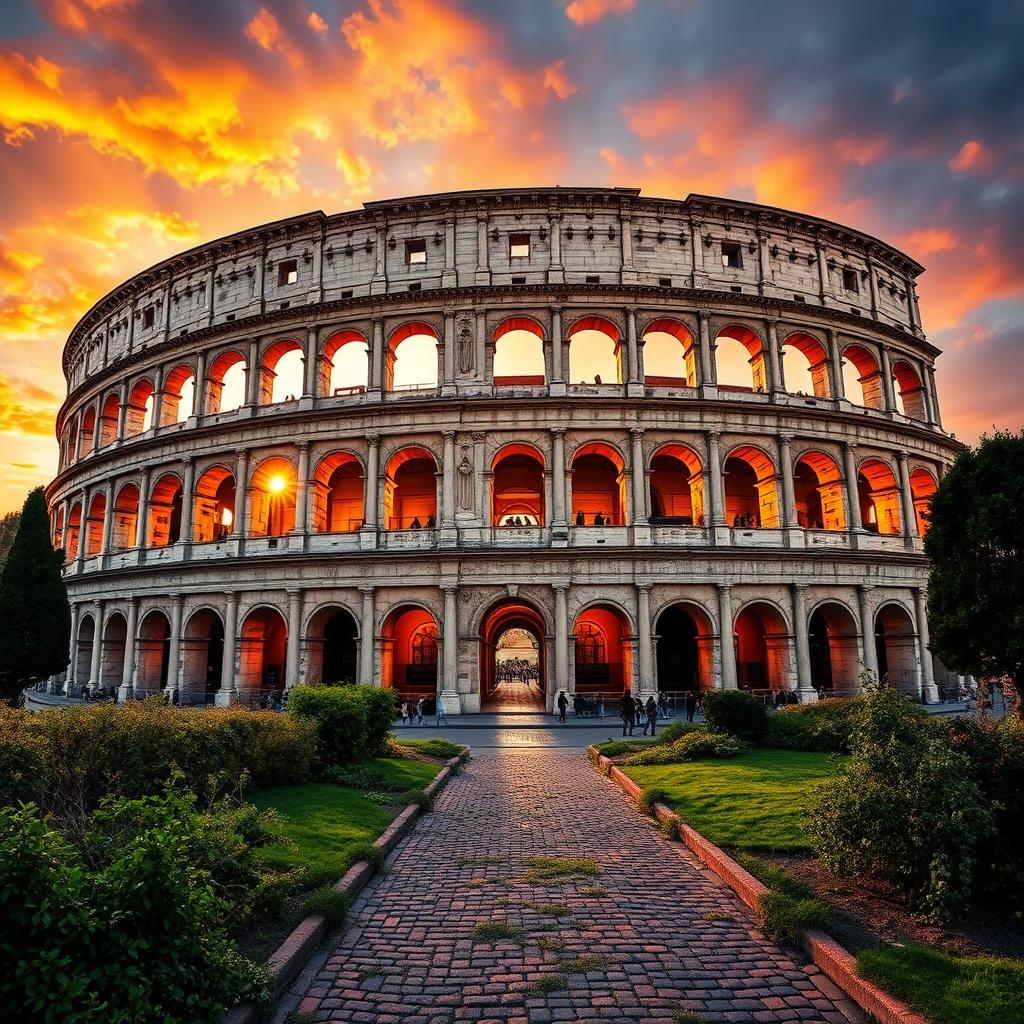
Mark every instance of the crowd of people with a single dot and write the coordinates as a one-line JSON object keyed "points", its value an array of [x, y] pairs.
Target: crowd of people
{"points": [[600, 519], [517, 670], [593, 706]]}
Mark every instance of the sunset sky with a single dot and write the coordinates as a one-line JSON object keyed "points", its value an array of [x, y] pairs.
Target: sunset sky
{"points": [[132, 129]]}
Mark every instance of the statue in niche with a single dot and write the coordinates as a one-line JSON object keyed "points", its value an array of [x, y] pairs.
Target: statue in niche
{"points": [[465, 481], [464, 329]]}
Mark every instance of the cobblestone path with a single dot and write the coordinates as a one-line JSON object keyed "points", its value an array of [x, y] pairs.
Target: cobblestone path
{"points": [[410, 954]]}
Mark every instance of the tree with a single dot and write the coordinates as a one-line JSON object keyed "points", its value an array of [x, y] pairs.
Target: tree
{"points": [[975, 541], [8, 528], [35, 620]]}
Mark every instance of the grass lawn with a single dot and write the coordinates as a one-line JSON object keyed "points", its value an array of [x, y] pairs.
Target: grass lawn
{"points": [[441, 749], [949, 989], [330, 825], [753, 802]]}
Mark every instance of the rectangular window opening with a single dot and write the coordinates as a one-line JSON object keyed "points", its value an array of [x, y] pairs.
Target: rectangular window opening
{"points": [[148, 316], [416, 251], [665, 282], [415, 286], [519, 280], [287, 272], [732, 256], [347, 294], [797, 298], [519, 245], [735, 288], [230, 317], [593, 279], [284, 305], [850, 281]]}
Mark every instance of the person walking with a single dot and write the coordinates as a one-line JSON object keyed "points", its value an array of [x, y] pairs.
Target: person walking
{"points": [[563, 703], [419, 711], [627, 712], [404, 712], [439, 709], [691, 704], [651, 721]]}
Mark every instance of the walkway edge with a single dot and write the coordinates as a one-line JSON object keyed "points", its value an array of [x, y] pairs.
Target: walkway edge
{"points": [[827, 954], [285, 963]]}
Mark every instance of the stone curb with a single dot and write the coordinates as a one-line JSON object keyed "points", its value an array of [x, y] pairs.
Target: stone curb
{"points": [[835, 961], [285, 963]]}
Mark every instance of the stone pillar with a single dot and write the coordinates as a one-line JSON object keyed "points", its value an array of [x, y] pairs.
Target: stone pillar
{"points": [[370, 485], [302, 490], [108, 519], [929, 691], [852, 493], [83, 530], [174, 648], [775, 380], [639, 476], [71, 676], [869, 658], [727, 651], [142, 527], [376, 388], [241, 523], [449, 276], [802, 643], [646, 683], [715, 516], [449, 684], [873, 283], [837, 386], [448, 481], [228, 692], [366, 638], [309, 366], [483, 268], [294, 648], [557, 354], [556, 272], [787, 517], [188, 499], [561, 639], [448, 384], [97, 647], [253, 374], [122, 411], [97, 428], [887, 389], [906, 500], [480, 354], [706, 352], [823, 283], [634, 386], [628, 275], [124, 691], [933, 391], [480, 503], [199, 396], [558, 495]]}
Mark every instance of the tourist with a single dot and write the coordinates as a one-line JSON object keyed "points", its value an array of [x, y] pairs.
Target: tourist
{"points": [[416, 524], [735, 522], [691, 704], [419, 711], [662, 704], [627, 712], [651, 719], [598, 519], [439, 710], [638, 710], [406, 713], [580, 521], [600, 706], [431, 522], [563, 703]]}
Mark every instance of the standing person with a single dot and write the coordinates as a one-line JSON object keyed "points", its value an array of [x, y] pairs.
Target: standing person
{"points": [[439, 709], [651, 712], [627, 712], [563, 703], [638, 710], [691, 704], [406, 713], [419, 711]]}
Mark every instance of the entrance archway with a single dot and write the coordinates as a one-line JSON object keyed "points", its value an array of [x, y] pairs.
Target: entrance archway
{"points": [[332, 647], [512, 669], [408, 653], [685, 651], [761, 644], [896, 649], [202, 650], [154, 653], [832, 644], [83, 649], [604, 657], [263, 652], [115, 639]]}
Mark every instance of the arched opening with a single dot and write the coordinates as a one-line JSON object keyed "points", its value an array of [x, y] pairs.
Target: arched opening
{"points": [[154, 653], [58, 528], [862, 380], [262, 652], [740, 363], [272, 497], [202, 653], [70, 441], [139, 415], [94, 524], [108, 420], [408, 653], [214, 514], [805, 366], [677, 487], [412, 358], [83, 649], [751, 491], [345, 365], [226, 383], [115, 640], [517, 487], [512, 662], [332, 647], [879, 496], [761, 647], [598, 486], [337, 494], [922, 487], [281, 373], [88, 432], [909, 391], [684, 635], [594, 352], [125, 533], [518, 353], [832, 643], [72, 535], [604, 657], [410, 490], [818, 491], [669, 355], [896, 649], [165, 512], [179, 395]]}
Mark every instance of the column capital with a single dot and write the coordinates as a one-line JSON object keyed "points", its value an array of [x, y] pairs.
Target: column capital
{"points": [[558, 431], [713, 436], [366, 589], [636, 433], [449, 588], [556, 310], [799, 588], [865, 588], [479, 437], [303, 446], [851, 447], [448, 311], [373, 439], [293, 591], [559, 585], [901, 456], [644, 588], [448, 435], [785, 440], [723, 588]]}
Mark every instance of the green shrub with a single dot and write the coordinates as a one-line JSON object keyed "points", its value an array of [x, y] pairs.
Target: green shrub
{"points": [[693, 746], [824, 725], [905, 808], [784, 917], [330, 904], [616, 748], [23, 769], [352, 722], [677, 729], [358, 776], [441, 750], [736, 712]]}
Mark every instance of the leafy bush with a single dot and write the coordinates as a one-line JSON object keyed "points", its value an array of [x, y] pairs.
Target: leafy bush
{"points": [[358, 776], [736, 712], [140, 936], [824, 725], [331, 904], [692, 747], [906, 808], [677, 729], [442, 750], [22, 757], [352, 722]]}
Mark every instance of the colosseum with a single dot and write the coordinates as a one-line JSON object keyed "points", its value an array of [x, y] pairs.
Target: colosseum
{"points": [[632, 442]]}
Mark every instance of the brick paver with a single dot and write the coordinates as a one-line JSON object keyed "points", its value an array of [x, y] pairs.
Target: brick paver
{"points": [[409, 955]]}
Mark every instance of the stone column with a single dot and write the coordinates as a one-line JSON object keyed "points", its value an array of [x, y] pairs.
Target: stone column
{"points": [[174, 647], [448, 361], [906, 499], [83, 530], [71, 676], [122, 411], [887, 389], [787, 519], [302, 490], [309, 365], [557, 367], [823, 283], [775, 379], [561, 639], [376, 388], [291, 671], [639, 476], [706, 352], [370, 483], [933, 391], [449, 277], [929, 691], [483, 269], [646, 684], [837, 386], [199, 396], [253, 374], [873, 283], [97, 428], [852, 493], [108, 519], [241, 522], [480, 501], [556, 272], [867, 630], [634, 385], [480, 353], [628, 275], [142, 526], [802, 643], [366, 638], [448, 481], [726, 650], [228, 692], [124, 691], [188, 499], [97, 646], [449, 684], [559, 517], [715, 516]]}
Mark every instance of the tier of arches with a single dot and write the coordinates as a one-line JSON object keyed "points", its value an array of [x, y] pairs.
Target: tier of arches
{"points": [[662, 353]]}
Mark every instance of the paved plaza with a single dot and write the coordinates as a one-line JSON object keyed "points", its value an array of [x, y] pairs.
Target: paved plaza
{"points": [[668, 936]]}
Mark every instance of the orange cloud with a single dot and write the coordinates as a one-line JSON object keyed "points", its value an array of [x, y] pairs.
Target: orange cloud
{"points": [[316, 23], [556, 79], [928, 240], [971, 155], [586, 12], [26, 408]]}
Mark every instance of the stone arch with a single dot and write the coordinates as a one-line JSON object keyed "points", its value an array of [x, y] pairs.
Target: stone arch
{"points": [[262, 651], [734, 345], [409, 654], [761, 644], [595, 351], [179, 393], [684, 635], [125, 532], [202, 653], [519, 352], [214, 513], [281, 372], [272, 492], [805, 365], [862, 378], [344, 364], [73, 532], [598, 485], [417, 367], [677, 486], [751, 489], [139, 415], [164, 517], [115, 643], [603, 650], [331, 641], [57, 538], [501, 618], [111, 411], [226, 382], [909, 391], [337, 493], [410, 489], [154, 652], [832, 645], [87, 434], [83, 648], [922, 486], [895, 638], [669, 354], [818, 492], [879, 496], [94, 524], [70, 440], [517, 486]]}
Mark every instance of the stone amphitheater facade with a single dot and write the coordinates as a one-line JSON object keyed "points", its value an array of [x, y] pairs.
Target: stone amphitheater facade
{"points": [[652, 525]]}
